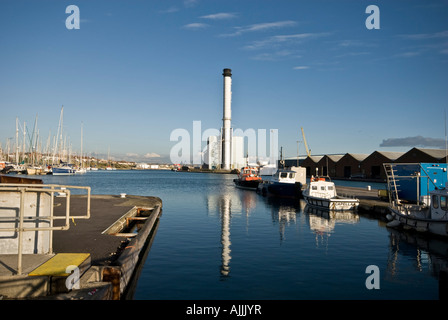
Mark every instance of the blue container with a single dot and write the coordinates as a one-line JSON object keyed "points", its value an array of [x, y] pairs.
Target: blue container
{"points": [[411, 186]]}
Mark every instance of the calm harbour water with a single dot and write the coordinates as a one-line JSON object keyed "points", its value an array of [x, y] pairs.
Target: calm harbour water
{"points": [[217, 242]]}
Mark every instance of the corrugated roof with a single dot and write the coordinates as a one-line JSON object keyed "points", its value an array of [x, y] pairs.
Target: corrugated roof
{"points": [[391, 155], [435, 153], [358, 156], [315, 158], [333, 157]]}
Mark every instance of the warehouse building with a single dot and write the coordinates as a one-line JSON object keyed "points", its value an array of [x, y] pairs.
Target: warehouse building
{"points": [[372, 166], [349, 166], [417, 155], [327, 165]]}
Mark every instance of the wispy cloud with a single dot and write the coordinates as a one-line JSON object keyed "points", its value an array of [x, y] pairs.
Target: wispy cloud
{"points": [[424, 36], [190, 3], [195, 26], [261, 27], [417, 141], [152, 155], [408, 54], [353, 54], [219, 16], [283, 39], [354, 43], [301, 68], [276, 55], [170, 10]]}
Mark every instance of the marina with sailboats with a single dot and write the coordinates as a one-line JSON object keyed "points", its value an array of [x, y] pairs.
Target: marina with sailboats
{"points": [[56, 157]]}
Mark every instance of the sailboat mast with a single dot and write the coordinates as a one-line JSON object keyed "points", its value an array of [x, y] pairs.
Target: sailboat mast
{"points": [[81, 146], [17, 141]]}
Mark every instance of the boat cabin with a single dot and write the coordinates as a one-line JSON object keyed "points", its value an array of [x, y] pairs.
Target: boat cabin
{"points": [[284, 176], [322, 189], [249, 173], [439, 204]]}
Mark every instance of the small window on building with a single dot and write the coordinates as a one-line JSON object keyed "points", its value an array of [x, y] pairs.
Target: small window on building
{"points": [[443, 203], [284, 174], [330, 187], [435, 201], [314, 187], [322, 188]]}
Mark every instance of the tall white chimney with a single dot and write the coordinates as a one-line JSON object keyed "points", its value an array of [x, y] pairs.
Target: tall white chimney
{"points": [[226, 120]]}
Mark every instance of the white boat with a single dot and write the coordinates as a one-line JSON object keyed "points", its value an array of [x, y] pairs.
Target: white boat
{"points": [[80, 170], [430, 216], [322, 194]]}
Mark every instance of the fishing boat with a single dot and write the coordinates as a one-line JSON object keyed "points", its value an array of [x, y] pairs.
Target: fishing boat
{"points": [[429, 215], [321, 193], [248, 178], [283, 183]]}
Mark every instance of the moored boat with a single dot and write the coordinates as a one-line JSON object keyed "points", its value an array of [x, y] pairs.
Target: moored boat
{"points": [[429, 216], [321, 193], [284, 183], [248, 178], [63, 170]]}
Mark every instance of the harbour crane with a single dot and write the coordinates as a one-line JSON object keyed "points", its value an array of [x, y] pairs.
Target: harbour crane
{"points": [[306, 145]]}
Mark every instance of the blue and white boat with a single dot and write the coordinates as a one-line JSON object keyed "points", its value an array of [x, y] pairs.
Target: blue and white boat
{"points": [[282, 184], [63, 170]]}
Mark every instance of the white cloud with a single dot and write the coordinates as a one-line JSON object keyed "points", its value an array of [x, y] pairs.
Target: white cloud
{"points": [[420, 36], [277, 55], [408, 54], [274, 40], [152, 155], [219, 16], [195, 26], [170, 10], [262, 27], [131, 154], [190, 3], [301, 68]]}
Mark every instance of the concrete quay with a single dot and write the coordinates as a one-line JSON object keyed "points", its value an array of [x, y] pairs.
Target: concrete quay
{"points": [[369, 200], [95, 259]]}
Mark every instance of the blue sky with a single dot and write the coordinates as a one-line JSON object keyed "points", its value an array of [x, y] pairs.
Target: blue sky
{"points": [[137, 70]]}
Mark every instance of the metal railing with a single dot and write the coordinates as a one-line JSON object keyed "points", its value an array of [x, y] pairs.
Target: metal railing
{"points": [[20, 219]]}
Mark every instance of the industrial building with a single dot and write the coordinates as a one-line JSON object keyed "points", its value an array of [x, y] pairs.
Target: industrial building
{"points": [[327, 165], [372, 166], [364, 166], [350, 166], [213, 154]]}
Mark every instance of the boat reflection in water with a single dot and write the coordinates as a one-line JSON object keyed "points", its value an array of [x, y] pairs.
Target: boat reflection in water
{"points": [[323, 221], [303, 235], [427, 253]]}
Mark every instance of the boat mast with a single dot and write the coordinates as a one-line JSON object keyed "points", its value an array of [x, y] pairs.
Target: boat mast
{"points": [[17, 141], [81, 146]]}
